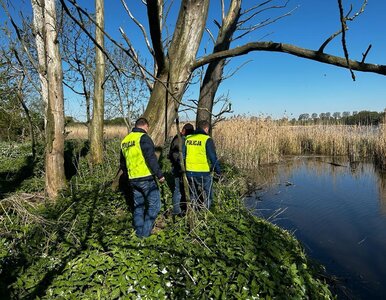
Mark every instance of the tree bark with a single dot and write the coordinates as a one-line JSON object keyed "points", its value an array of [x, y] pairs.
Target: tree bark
{"points": [[214, 72], [54, 159], [173, 79], [96, 129], [39, 33], [293, 50]]}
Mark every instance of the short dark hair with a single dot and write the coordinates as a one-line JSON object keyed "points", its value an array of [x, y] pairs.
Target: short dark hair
{"points": [[189, 129], [141, 122], [203, 124]]}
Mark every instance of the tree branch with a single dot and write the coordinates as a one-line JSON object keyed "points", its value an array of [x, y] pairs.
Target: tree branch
{"points": [[210, 34], [66, 9], [241, 22], [19, 37], [330, 38], [346, 18], [140, 27], [293, 50], [263, 24], [142, 69], [344, 28], [364, 55], [153, 12], [128, 52]]}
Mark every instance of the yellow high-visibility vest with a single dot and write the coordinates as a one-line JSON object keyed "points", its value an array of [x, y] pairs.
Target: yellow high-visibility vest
{"points": [[196, 158], [135, 161]]}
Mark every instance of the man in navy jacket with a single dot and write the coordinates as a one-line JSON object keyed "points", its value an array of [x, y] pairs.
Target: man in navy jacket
{"points": [[139, 161]]}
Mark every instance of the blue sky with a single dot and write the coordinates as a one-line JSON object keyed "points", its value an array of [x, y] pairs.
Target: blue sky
{"points": [[277, 84]]}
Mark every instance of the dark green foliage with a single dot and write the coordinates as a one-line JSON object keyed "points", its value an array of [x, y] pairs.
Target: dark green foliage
{"points": [[364, 118], [115, 121], [17, 166], [74, 150], [84, 247]]}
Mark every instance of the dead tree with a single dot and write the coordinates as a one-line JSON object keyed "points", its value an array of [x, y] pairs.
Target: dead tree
{"points": [[96, 128], [51, 76]]}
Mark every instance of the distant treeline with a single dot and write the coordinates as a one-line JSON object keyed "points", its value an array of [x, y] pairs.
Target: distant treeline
{"points": [[346, 118]]}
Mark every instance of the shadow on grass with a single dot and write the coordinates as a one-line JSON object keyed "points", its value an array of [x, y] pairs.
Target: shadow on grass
{"points": [[74, 150], [82, 214], [41, 288], [10, 181]]}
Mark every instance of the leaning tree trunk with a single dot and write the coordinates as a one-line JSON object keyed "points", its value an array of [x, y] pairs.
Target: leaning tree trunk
{"points": [[55, 176], [96, 129], [174, 75], [214, 72]]}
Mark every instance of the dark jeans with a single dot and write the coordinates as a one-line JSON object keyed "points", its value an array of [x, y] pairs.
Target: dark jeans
{"points": [[147, 204], [179, 199], [201, 191]]}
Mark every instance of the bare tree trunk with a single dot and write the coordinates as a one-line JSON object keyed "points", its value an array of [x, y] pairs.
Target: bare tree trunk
{"points": [[54, 160], [214, 72], [88, 114], [96, 129], [39, 33], [176, 70]]}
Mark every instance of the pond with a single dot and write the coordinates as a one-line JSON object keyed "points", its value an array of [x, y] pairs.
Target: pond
{"points": [[337, 211]]}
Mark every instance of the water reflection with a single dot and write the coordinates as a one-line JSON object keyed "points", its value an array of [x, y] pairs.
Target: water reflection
{"points": [[337, 210]]}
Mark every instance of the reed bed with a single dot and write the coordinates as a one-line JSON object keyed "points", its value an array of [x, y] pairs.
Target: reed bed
{"points": [[251, 142], [247, 143], [380, 148], [80, 131]]}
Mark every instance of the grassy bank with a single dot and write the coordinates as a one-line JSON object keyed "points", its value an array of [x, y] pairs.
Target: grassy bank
{"points": [[251, 142], [84, 247]]}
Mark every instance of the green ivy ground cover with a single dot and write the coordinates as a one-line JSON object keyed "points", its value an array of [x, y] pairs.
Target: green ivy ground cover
{"points": [[85, 248]]}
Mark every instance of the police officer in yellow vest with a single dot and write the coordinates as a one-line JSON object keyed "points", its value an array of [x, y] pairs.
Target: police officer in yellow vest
{"points": [[201, 160], [138, 159]]}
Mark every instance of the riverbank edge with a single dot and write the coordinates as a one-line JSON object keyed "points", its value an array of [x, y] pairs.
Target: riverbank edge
{"points": [[93, 252], [83, 246]]}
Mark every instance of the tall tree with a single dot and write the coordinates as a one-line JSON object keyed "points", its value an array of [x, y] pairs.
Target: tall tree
{"points": [[96, 128], [214, 71], [51, 77], [158, 103], [173, 70]]}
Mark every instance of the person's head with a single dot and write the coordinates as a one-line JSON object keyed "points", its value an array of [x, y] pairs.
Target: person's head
{"points": [[187, 129], [142, 123], [204, 125]]}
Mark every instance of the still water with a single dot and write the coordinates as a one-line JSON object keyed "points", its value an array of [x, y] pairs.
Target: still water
{"points": [[337, 211]]}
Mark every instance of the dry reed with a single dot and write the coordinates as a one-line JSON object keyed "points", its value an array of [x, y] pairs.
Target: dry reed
{"points": [[80, 131], [250, 142], [380, 148]]}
